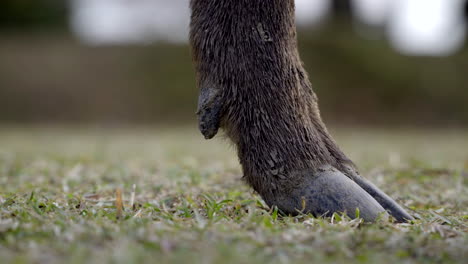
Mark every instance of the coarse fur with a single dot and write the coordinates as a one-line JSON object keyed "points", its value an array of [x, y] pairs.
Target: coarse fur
{"points": [[254, 86]]}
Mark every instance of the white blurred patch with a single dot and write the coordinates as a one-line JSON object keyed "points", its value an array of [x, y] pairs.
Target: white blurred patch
{"points": [[130, 21], [311, 11], [427, 27]]}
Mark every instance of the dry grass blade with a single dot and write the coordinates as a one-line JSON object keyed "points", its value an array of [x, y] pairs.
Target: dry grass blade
{"points": [[118, 203]]}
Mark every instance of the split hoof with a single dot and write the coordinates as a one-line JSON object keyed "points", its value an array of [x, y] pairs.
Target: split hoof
{"points": [[326, 192]]}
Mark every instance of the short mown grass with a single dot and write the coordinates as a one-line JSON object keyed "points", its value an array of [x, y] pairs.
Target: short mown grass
{"points": [[184, 200]]}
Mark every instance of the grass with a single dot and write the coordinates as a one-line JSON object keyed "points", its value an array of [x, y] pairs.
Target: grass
{"points": [[58, 200]]}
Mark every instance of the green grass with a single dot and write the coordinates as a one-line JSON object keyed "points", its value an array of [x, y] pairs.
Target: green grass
{"points": [[57, 200]]}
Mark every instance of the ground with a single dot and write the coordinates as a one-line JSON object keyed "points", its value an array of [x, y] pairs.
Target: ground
{"points": [[58, 191]]}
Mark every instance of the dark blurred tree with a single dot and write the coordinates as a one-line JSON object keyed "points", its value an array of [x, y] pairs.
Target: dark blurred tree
{"points": [[342, 8], [33, 14], [341, 17], [466, 11]]}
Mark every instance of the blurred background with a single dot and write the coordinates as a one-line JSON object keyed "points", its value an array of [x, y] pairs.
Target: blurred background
{"points": [[371, 62]]}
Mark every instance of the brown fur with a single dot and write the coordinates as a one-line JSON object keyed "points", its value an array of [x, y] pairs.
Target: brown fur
{"points": [[254, 86]]}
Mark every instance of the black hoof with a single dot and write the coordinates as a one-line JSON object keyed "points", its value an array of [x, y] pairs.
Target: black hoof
{"points": [[209, 112], [208, 123], [328, 191], [392, 207]]}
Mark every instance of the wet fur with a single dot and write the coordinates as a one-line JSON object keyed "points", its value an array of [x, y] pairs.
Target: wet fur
{"points": [[254, 86]]}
